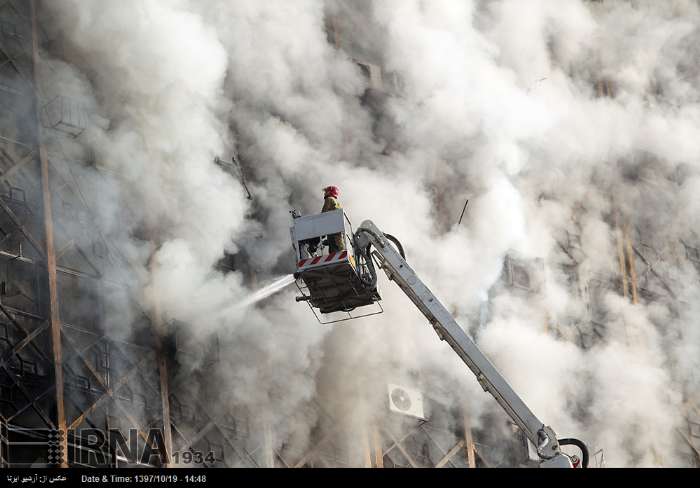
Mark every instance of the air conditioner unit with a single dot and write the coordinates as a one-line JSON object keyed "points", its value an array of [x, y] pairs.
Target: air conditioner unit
{"points": [[406, 401]]}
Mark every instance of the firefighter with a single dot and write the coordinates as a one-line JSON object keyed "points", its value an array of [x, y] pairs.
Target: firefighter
{"points": [[330, 202], [330, 198]]}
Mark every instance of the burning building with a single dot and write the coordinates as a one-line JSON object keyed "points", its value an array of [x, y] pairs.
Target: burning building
{"points": [[128, 241]]}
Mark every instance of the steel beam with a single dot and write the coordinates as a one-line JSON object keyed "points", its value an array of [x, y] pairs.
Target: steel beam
{"points": [[15, 220], [377, 448], [17, 165], [403, 451], [242, 455], [159, 327], [366, 447], [469, 442], [8, 313], [268, 450], [54, 317], [23, 343], [32, 399], [108, 393], [197, 437], [450, 454]]}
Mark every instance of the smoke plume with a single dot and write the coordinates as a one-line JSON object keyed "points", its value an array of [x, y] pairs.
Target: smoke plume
{"points": [[568, 125]]}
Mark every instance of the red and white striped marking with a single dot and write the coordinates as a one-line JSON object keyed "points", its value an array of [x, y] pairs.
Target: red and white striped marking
{"points": [[331, 258]]}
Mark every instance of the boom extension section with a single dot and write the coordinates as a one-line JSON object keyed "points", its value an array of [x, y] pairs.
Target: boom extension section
{"points": [[396, 268]]}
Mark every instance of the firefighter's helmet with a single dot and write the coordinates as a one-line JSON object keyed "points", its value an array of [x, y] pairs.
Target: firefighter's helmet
{"points": [[331, 191]]}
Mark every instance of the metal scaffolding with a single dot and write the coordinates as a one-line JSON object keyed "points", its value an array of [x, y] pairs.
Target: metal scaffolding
{"points": [[61, 369]]}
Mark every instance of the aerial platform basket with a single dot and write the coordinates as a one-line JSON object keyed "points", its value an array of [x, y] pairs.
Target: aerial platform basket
{"points": [[329, 277]]}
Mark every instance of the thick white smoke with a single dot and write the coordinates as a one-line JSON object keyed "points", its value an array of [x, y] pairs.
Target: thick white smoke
{"points": [[500, 105]]}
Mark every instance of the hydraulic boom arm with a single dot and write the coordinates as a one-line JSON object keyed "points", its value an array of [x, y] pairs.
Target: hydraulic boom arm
{"points": [[396, 268]]}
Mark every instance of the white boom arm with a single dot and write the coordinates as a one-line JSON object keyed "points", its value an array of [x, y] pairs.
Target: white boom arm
{"points": [[396, 268]]}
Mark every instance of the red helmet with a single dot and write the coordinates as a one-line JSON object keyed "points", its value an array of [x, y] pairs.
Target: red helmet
{"points": [[331, 191]]}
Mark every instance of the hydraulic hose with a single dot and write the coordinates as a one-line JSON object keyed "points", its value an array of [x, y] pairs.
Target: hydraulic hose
{"points": [[580, 445], [388, 236], [368, 256], [370, 267], [398, 244], [365, 253]]}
